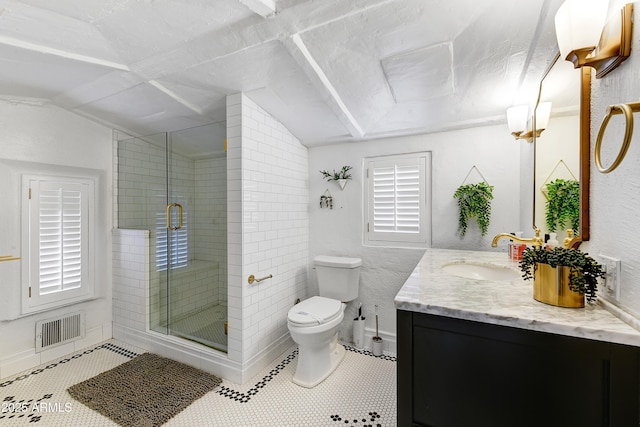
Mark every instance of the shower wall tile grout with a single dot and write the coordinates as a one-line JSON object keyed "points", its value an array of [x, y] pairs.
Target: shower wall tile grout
{"points": [[275, 223]]}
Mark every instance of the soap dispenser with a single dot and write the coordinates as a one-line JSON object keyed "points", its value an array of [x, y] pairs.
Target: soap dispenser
{"points": [[553, 241]]}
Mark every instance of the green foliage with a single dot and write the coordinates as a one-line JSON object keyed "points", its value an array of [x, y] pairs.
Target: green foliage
{"points": [[584, 270], [334, 176], [563, 205], [474, 201]]}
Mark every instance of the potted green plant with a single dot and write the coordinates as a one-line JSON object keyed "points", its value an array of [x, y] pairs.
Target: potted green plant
{"points": [[341, 177], [563, 205], [474, 201], [562, 277]]}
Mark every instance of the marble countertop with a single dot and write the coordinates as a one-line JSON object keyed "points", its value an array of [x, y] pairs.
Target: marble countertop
{"points": [[431, 290]]}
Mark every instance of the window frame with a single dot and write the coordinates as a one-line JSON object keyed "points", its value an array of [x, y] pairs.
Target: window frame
{"points": [[32, 300], [421, 239]]}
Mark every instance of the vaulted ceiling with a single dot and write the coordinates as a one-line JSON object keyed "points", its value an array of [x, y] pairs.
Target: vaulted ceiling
{"points": [[329, 70]]}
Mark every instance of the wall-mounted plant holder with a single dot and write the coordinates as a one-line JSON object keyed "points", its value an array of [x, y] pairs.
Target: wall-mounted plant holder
{"points": [[560, 170], [562, 209], [474, 176], [341, 177], [474, 201], [326, 201]]}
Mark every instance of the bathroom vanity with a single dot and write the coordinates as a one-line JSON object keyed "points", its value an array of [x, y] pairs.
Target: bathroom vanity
{"points": [[485, 353]]}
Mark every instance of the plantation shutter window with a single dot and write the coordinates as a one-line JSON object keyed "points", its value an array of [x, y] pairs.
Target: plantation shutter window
{"points": [[58, 237], [397, 199]]}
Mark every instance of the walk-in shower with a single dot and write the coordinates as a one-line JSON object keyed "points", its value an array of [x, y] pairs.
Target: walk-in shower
{"points": [[175, 185]]}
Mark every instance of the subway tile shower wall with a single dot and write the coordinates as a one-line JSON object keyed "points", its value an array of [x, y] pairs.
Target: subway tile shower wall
{"points": [[211, 216], [268, 225], [130, 277]]}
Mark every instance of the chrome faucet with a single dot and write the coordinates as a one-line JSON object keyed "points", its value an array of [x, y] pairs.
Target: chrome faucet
{"points": [[535, 241]]}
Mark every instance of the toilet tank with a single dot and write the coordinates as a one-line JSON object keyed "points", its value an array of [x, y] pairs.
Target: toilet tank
{"points": [[338, 277]]}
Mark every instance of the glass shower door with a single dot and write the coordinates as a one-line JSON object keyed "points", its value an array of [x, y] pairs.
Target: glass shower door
{"points": [[195, 218], [174, 185]]}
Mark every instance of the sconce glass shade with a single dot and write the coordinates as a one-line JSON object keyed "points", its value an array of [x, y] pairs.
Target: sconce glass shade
{"points": [[579, 25], [542, 115], [520, 125], [517, 118]]}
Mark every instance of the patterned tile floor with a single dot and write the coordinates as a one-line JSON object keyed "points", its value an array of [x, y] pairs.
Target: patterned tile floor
{"points": [[361, 392]]}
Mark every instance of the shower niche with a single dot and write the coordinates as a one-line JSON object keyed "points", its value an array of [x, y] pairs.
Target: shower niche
{"points": [[174, 186]]}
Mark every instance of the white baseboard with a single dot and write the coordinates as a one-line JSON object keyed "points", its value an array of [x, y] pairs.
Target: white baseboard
{"points": [[19, 362], [260, 361], [29, 359]]}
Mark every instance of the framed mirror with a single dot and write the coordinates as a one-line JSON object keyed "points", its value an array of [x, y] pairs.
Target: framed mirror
{"points": [[561, 152]]}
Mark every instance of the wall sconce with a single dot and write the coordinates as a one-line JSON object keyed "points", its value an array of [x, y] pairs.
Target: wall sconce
{"points": [[585, 39], [519, 120]]}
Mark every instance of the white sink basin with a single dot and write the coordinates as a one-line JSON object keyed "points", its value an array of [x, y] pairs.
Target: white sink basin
{"points": [[480, 271]]}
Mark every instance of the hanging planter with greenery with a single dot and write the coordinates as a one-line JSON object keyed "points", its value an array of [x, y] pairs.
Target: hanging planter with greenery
{"points": [[474, 201], [563, 205], [336, 176], [341, 177]]}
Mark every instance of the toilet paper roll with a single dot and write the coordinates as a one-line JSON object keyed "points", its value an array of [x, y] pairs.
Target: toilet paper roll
{"points": [[358, 334]]}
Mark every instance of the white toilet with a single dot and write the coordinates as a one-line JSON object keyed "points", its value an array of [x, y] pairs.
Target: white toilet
{"points": [[314, 322]]}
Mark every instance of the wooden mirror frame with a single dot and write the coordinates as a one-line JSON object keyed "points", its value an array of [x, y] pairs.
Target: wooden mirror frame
{"points": [[585, 152], [584, 148]]}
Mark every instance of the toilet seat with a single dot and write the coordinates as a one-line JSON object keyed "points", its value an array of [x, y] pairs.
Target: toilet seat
{"points": [[314, 311]]}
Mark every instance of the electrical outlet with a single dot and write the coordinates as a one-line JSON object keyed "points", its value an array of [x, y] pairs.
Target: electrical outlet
{"points": [[611, 280]]}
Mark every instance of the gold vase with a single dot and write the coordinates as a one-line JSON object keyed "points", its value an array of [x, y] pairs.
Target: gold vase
{"points": [[551, 286]]}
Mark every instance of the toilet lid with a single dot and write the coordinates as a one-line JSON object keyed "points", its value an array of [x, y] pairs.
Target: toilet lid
{"points": [[314, 311], [334, 261]]}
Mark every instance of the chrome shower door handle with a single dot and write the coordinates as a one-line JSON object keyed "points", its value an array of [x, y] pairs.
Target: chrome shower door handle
{"points": [[169, 206]]}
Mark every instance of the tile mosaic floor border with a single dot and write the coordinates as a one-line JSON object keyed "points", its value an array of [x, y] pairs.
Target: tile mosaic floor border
{"points": [[369, 353], [107, 346], [244, 397], [26, 402]]}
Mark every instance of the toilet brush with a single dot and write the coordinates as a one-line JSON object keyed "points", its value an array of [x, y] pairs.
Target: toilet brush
{"points": [[376, 340]]}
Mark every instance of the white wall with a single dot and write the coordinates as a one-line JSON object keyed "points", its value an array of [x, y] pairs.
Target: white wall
{"points": [[268, 231], [615, 197], [491, 149], [44, 134]]}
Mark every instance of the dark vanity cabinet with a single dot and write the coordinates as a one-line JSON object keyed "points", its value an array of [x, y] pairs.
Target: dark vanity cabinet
{"points": [[459, 373]]}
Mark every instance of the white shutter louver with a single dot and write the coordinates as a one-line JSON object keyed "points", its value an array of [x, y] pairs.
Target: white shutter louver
{"points": [[59, 217], [396, 199], [60, 231], [396, 203]]}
